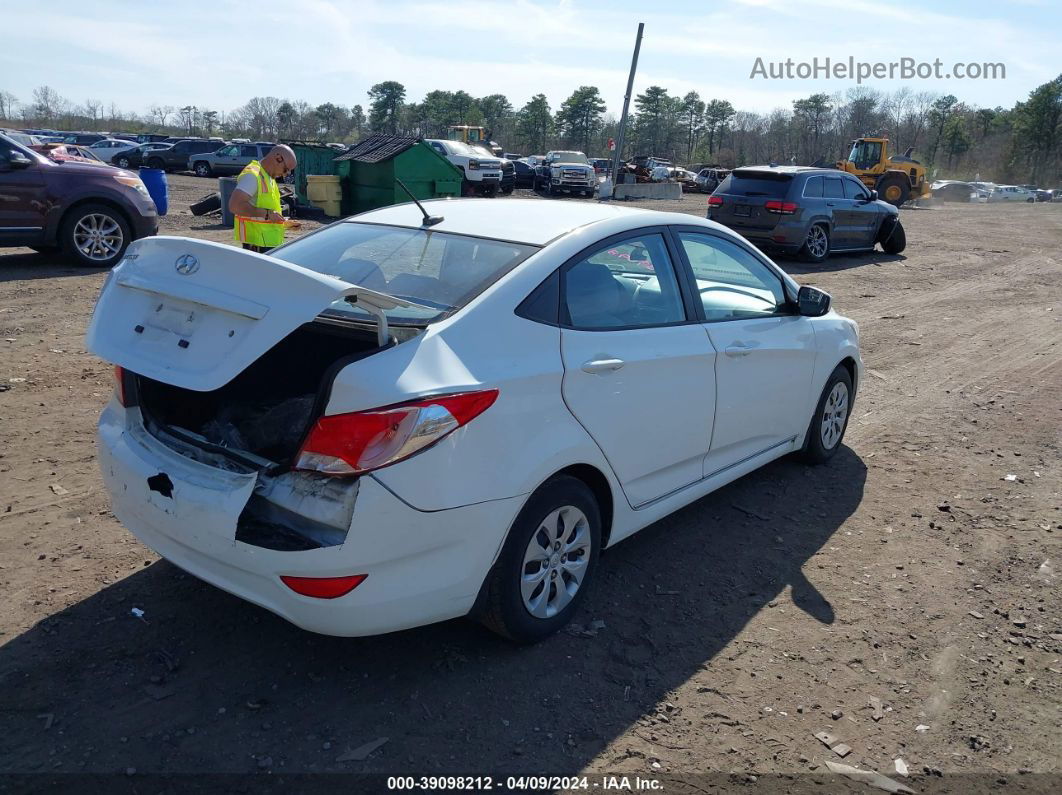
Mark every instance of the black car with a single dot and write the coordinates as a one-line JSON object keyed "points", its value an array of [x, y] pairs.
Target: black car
{"points": [[136, 157], [83, 139], [508, 178], [806, 211], [176, 157], [524, 174]]}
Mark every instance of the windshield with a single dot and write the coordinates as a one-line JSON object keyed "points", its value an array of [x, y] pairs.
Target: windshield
{"points": [[570, 157], [439, 270]]}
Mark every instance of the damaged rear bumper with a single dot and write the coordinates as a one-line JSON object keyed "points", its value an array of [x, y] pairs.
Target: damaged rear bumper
{"points": [[422, 567]]}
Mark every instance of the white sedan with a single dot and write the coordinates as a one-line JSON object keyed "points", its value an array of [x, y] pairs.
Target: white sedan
{"points": [[400, 419], [109, 147]]}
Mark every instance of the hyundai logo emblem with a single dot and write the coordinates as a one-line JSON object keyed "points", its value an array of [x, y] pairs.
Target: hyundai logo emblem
{"points": [[186, 264]]}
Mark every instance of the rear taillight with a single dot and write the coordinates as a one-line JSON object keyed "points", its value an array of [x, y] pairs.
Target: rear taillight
{"points": [[119, 384], [350, 444], [324, 587], [715, 201], [780, 208]]}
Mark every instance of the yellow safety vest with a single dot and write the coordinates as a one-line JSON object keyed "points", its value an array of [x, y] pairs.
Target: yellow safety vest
{"points": [[255, 231]]}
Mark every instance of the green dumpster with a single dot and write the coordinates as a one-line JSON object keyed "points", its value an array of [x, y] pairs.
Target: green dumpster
{"points": [[313, 158], [370, 170]]}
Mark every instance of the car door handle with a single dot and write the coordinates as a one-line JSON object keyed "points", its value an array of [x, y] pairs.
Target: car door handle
{"points": [[602, 365], [830, 204], [738, 350]]}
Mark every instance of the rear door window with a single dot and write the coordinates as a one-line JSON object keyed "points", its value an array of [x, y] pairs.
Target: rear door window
{"points": [[249, 151], [813, 188], [832, 188], [627, 284]]}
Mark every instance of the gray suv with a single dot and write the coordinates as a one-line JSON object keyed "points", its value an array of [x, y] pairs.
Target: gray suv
{"points": [[809, 212], [231, 159]]}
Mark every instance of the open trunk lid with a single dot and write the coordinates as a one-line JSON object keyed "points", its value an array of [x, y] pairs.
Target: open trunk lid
{"points": [[194, 314]]}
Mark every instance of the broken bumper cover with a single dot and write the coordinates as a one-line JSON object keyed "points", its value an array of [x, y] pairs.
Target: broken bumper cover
{"points": [[422, 567]]}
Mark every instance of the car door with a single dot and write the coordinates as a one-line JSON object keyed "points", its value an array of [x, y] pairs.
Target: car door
{"points": [[23, 195], [766, 351], [840, 209], [225, 159], [639, 370], [865, 214]]}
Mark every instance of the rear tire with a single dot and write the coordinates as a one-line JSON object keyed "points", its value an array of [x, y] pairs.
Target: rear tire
{"points": [[156, 162], [816, 246], [830, 420], [123, 162], [203, 169], [94, 235], [896, 241], [547, 563]]}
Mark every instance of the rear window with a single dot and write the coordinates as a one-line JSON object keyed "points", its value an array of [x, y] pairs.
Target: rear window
{"points": [[439, 270], [833, 188], [756, 183]]}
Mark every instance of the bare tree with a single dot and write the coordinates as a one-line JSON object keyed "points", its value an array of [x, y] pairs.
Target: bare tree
{"points": [[92, 111], [160, 113], [8, 101], [47, 104]]}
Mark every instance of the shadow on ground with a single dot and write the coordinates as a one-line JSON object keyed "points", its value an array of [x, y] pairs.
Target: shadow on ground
{"points": [[25, 264], [208, 683]]}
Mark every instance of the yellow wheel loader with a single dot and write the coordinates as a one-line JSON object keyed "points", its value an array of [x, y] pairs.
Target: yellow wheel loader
{"points": [[897, 179]]}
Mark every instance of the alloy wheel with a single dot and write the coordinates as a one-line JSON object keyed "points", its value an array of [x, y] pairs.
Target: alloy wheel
{"points": [[817, 241], [555, 562], [98, 237], [834, 414]]}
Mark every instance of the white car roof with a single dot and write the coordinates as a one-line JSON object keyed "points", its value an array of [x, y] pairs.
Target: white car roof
{"points": [[534, 221]]}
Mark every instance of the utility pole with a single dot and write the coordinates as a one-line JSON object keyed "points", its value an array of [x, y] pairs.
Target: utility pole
{"points": [[626, 107]]}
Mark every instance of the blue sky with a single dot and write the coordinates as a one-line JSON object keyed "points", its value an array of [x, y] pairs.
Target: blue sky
{"points": [[209, 53]]}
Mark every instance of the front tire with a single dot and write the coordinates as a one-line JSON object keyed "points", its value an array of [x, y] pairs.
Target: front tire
{"points": [[896, 241], [894, 190], [94, 235], [830, 419], [547, 562], [123, 162], [816, 246]]}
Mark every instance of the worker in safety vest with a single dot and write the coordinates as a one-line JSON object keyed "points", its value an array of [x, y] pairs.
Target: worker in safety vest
{"points": [[259, 226]]}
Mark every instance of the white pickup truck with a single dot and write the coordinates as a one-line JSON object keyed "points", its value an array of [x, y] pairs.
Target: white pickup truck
{"points": [[482, 174], [568, 172]]}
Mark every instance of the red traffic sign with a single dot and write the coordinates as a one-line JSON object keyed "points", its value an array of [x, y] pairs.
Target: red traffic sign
{"points": [[611, 145]]}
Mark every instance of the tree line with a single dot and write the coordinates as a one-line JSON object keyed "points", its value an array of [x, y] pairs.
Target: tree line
{"points": [[954, 138]]}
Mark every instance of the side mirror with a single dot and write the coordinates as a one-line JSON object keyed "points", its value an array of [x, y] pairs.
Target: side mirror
{"points": [[812, 302], [17, 160], [873, 195]]}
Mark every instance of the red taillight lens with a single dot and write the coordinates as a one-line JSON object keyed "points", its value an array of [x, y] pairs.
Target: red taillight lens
{"points": [[324, 587], [350, 444], [715, 201], [119, 384], [780, 208]]}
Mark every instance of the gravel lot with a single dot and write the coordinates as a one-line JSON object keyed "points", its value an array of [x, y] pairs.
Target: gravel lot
{"points": [[919, 568]]}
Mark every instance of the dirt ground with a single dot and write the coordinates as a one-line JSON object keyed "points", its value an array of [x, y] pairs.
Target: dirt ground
{"points": [[919, 568]]}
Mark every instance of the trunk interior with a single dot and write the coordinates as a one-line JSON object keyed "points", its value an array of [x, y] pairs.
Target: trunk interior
{"points": [[267, 409]]}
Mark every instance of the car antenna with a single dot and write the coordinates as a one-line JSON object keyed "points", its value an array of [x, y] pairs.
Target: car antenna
{"points": [[429, 220]]}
